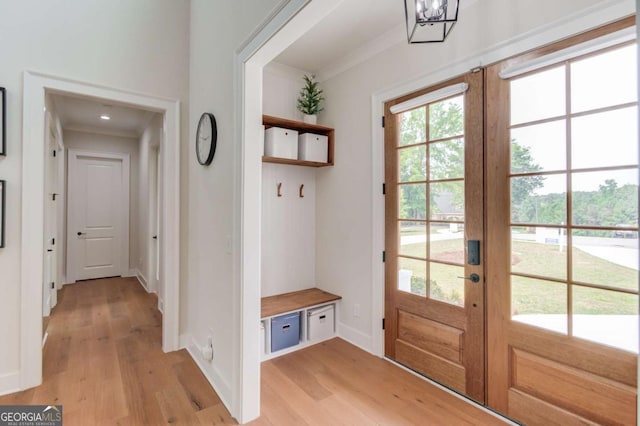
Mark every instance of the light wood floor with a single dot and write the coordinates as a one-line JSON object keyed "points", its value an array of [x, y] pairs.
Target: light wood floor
{"points": [[104, 363]]}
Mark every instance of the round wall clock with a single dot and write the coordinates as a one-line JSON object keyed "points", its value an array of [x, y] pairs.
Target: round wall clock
{"points": [[206, 139]]}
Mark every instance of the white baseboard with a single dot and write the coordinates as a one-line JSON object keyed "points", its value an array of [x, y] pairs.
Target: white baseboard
{"points": [[130, 273], [214, 378], [141, 279], [10, 383], [355, 337]]}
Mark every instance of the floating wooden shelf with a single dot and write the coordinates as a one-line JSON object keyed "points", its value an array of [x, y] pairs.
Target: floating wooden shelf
{"points": [[300, 127]]}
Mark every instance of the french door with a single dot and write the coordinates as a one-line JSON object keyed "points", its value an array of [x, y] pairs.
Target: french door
{"points": [[562, 232], [434, 309], [524, 178]]}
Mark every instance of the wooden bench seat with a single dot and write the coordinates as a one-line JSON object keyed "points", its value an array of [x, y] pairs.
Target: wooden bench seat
{"points": [[288, 302]]}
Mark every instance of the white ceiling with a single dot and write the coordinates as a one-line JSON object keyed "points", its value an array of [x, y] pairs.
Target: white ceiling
{"points": [[351, 25], [352, 33], [77, 113]]}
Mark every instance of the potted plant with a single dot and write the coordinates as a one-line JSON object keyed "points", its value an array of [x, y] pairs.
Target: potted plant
{"points": [[309, 100]]}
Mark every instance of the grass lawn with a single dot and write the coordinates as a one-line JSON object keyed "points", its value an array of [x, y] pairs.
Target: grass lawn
{"points": [[530, 296]]}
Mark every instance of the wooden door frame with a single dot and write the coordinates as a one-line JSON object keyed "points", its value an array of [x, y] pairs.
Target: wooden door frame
{"points": [[125, 213]]}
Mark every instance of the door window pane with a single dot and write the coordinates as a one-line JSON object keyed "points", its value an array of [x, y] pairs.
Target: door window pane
{"points": [[412, 276], [540, 147], [605, 139], [445, 285], [604, 80], [447, 243], [412, 200], [538, 96], [606, 317], [413, 239], [539, 303], [413, 126], [609, 258], [446, 159], [447, 201], [413, 163], [539, 251], [446, 118], [539, 199], [607, 198]]}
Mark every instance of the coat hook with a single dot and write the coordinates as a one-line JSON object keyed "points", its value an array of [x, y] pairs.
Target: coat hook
{"points": [[279, 189], [301, 194]]}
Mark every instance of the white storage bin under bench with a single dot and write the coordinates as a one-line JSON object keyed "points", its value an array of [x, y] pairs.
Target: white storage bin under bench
{"points": [[317, 318]]}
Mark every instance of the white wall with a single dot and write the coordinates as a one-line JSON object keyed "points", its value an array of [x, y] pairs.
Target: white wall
{"points": [[141, 46], [123, 145], [288, 229], [288, 222], [281, 86], [344, 196], [211, 292]]}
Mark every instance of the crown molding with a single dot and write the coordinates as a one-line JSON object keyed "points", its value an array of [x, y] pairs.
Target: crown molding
{"points": [[283, 70]]}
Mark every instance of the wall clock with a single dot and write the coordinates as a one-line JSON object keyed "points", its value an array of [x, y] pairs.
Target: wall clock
{"points": [[206, 139]]}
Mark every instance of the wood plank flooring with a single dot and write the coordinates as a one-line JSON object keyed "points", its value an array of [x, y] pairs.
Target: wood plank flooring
{"points": [[104, 363], [336, 383]]}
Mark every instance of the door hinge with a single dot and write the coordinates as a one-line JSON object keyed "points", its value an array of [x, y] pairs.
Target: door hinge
{"points": [[384, 256], [384, 189], [53, 196], [383, 121], [53, 285], [383, 324], [54, 152], [53, 241]]}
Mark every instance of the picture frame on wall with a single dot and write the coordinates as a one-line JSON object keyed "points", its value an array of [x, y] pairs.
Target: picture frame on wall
{"points": [[3, 191], [3, 121]]}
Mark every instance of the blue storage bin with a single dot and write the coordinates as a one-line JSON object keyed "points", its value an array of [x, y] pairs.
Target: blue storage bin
{"points": [[285, 331]]}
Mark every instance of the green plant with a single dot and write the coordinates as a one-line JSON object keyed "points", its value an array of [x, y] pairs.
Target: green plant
{"points": [[310, 97]]}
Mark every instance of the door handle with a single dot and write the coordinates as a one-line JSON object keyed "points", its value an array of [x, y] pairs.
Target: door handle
{"points": [[155, 237], [81, 233], [475, 278]]}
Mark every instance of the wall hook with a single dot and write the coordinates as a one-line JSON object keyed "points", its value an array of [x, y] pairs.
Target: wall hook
{"points": [[301, 187], [279, 189]]}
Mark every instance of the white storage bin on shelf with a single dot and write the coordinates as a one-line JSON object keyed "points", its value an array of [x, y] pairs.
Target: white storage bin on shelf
{"points": [[312, 147], [320, 323], [281, 143]]}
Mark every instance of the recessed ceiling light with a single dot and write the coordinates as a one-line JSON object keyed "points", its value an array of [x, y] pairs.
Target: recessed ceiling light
{"points": [[105, 117]]}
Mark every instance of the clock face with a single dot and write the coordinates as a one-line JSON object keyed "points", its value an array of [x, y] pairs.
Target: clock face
{"points": [[206, 139]]}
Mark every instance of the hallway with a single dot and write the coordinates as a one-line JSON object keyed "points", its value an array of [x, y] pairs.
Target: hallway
{"points": [[103, 362]]}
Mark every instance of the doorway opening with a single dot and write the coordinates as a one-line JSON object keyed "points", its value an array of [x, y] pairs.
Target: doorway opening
{"points": [[34, 238]]}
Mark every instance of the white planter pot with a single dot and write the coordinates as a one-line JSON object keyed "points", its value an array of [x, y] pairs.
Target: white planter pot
{"points": [[310, 119]]}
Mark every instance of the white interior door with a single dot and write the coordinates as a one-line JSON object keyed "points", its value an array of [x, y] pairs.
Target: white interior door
{"points": [[98, 215]]}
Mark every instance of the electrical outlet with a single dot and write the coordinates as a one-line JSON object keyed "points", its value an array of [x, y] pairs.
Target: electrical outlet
{"points": [[356, 310]]}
